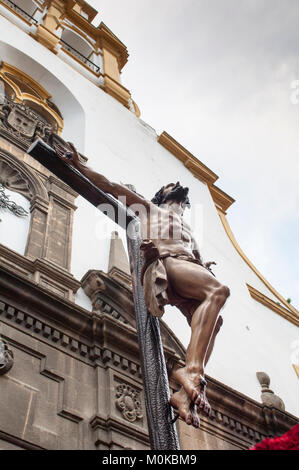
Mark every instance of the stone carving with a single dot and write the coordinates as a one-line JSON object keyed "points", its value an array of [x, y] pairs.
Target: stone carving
{"points": [[6, 358], [22, 123], [13, 180], [268, 396], [92, 285], [128, 402]]}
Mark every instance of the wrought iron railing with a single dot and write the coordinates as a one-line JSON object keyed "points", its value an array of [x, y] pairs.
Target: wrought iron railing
{"points": [[20, 11], [6, 203], [80, 56]]}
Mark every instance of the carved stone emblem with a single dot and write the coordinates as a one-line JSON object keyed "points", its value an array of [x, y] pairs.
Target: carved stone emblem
{"points": [[6, 358], [21, 122], [128, 402]]}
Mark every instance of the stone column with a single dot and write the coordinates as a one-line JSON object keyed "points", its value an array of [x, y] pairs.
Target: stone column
{"points": [[38, 222]]}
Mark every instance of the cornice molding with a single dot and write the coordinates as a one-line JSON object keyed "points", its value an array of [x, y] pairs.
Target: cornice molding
{"points": [[16, 441], [222, 200], [103, 36], [107, 39], [94, 338], [197, 168], [99, 424], [15, 262], [88, 9], [275, 306]]}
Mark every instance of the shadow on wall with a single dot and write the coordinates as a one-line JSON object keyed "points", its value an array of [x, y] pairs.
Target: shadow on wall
{"points": [[70, 108]]}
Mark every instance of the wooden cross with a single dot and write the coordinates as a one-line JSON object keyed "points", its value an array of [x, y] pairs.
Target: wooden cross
{"points": [[162, 431]]}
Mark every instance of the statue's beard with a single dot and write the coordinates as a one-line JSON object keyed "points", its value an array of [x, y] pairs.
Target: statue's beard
{"points": [[178, 194]]}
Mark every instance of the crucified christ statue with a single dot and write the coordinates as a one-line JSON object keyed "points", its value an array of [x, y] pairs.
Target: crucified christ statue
{"points": [[173, 273]]}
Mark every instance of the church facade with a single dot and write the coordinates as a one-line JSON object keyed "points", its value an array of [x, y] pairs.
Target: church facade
{"points": [[70, 375]]}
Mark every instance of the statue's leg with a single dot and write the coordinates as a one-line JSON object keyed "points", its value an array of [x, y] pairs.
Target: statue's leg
{"points": [[217, 327], [191, 281], [183, 403]]}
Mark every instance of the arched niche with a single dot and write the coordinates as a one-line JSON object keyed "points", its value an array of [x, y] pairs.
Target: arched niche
{"points": [[69, 107], [18, 177]]}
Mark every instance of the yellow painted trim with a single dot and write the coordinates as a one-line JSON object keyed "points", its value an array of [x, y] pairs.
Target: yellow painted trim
{"points": [[230, 235], [14, 86], [23, 76], [137, 110], [296, 369], [222, 200], [86, 8], [20, 97], [274, 306], [197, 168], [49, 110], [101, 35], [117, 90]]}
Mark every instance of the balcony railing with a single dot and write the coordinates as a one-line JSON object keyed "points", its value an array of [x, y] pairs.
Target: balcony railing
{"points": [[20, 11], [81, 57]]}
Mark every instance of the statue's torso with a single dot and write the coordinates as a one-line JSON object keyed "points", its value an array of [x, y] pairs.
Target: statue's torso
{"points": [[167, 230]]}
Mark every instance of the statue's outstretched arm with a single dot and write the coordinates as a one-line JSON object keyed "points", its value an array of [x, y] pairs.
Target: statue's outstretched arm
{"points": [[115, 189]]}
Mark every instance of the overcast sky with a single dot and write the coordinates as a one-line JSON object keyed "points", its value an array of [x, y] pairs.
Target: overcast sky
{"points": [[217, 76]]}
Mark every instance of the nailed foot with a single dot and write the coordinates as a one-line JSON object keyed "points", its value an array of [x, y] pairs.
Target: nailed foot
{"points": [[185, 408], [195, 387]]}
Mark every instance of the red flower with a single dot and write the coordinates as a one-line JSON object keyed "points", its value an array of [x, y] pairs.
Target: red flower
{"points": [[288, 441]]}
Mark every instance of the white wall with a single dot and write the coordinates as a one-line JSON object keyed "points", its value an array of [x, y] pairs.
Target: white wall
{"points": [[14, 230], [125, 149], [69, 106]]}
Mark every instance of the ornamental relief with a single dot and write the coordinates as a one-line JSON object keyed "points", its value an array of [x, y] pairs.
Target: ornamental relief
{"points": [[13, 180], [128, 402], [21, 122]]}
